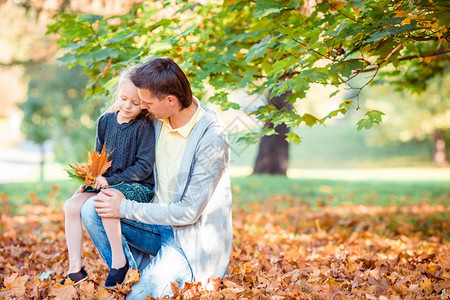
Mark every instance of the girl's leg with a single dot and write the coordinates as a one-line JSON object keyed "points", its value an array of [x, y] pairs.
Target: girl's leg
{"points": [[74, 230], [114, 233]]}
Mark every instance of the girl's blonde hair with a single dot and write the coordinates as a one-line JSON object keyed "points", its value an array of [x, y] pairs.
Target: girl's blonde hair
{"points": [[124, 75]]}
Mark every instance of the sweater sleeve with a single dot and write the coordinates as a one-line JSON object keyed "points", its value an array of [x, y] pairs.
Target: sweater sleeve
{"points": [[100, 139], [142, 168], [210, 162]]}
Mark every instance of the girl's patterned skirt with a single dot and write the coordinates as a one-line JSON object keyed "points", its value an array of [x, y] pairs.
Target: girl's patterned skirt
{"points": [[132, 191]]}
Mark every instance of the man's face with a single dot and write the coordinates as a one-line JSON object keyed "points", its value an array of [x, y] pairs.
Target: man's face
{"points": [[159, 108]]}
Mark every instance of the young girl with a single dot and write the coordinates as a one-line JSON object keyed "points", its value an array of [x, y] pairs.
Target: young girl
{"points": [[125, 131]]}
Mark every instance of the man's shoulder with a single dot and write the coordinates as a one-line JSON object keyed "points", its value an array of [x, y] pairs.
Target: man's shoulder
{"points": [[214, 129]]}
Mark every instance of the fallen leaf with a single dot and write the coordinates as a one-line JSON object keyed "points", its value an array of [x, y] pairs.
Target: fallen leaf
{"points": [[103, 294], [15, 284], [87, 290], [65, 292]]}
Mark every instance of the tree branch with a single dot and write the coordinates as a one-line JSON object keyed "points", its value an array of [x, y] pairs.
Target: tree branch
{"points": [[409, 57], [434, 53], [20, 62], [317, 52], [423, 39]]}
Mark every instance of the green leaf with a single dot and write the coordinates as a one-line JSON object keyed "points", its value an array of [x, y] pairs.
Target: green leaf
{"points": [[334, 93], [111, 83], [309, 120], [346, 67], [266, 7], [103, 54], [364, 123], [346, 104], [253, 137], [373, 117], [334, 113], [91, 18], [120, 37], [316, 74], [292, 137], [258, 50], [73, 175]]}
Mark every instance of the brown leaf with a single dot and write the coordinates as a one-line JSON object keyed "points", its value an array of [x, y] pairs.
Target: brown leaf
{"points": [[131, 277], [87, 290], [439, 286], [15, 284], [66, 291], [445, 261], [103, 294], [99, 162], [97, 165], [213, 284], [427, 285], [175, 289], [413, 288], [191, 289]]}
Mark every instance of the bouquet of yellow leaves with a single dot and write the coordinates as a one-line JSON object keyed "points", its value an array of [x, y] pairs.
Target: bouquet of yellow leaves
{"points": [[97, 165]]}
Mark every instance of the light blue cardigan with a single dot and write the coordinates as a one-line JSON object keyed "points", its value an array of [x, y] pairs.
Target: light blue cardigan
{"points": [[200, 214]]}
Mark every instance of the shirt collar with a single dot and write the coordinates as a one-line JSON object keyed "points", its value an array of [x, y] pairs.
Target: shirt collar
{"points": [[186, 129]]}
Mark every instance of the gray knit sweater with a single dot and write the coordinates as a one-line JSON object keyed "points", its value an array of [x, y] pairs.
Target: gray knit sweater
{"points": [[200, 214], [133, 149]]}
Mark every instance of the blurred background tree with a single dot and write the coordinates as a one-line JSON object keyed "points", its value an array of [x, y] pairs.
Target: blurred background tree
{"points": [[426, 115], [50, 96], [55, 110]]}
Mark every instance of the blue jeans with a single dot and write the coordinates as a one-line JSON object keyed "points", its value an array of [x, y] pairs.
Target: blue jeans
{"points": [[139, 240]]}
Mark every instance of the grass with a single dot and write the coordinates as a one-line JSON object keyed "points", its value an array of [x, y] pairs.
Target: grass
{"points": [[340, 146], [50, 192], [249, 189], [319, 192]]}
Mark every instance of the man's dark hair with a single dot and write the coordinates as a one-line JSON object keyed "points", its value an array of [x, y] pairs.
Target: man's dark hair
{"points": [[163, 77]]}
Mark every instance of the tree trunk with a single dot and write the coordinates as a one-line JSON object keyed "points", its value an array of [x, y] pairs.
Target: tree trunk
{"points": [[273, 154], [439, 151], [42, 164]]}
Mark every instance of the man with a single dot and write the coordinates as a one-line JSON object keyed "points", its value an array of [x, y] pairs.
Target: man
{"points": [[188, 227]]}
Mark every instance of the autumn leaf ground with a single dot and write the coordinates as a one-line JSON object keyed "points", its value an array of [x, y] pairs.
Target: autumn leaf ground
{"points": [[284, 248]]}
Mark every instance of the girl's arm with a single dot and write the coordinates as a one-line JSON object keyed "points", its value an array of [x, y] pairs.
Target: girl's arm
{"points": [[145, 157], [100, 139]]}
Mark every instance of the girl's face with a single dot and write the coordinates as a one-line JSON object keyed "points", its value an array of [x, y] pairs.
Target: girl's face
{"points": [[129, 102]]}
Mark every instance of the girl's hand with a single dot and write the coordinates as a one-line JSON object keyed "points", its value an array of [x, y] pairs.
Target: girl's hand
{"points": [[100, 183]]}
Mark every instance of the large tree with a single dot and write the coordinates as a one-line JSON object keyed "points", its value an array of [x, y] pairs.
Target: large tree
{"points": [[266, 46]]}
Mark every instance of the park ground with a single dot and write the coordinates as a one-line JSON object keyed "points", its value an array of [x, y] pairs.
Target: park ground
{"points": [[345, 226]]}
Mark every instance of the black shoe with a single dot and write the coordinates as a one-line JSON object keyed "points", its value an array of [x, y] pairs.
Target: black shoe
{"points": [[116, 276], [77, 277]]}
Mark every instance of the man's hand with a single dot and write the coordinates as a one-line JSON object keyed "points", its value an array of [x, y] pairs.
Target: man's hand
{"points": [[107, 203]]}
